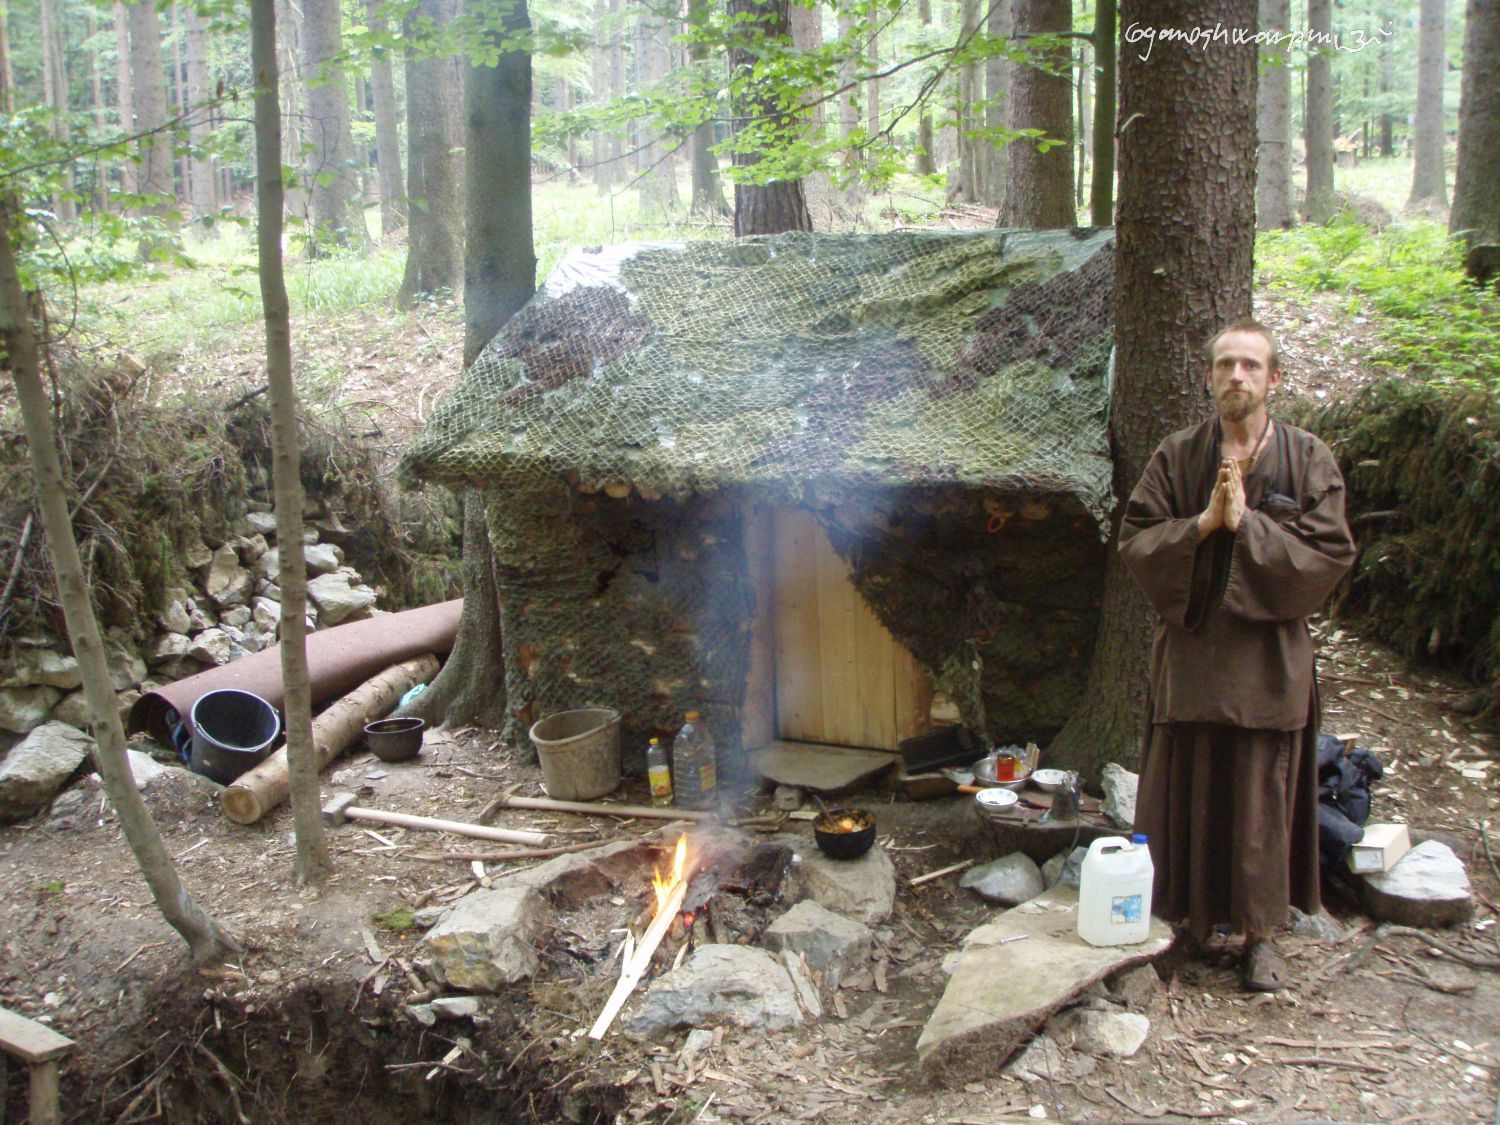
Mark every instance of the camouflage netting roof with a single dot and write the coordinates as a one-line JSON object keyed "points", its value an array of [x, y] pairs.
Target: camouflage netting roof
{"points": [[916, 358]]}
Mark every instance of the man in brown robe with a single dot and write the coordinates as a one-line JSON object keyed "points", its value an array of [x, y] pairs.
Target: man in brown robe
{"points": [[1236, 532]]}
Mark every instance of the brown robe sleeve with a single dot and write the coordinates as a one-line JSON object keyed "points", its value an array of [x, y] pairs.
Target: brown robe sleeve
{"points": [[1160, 548], [1281, 570]]}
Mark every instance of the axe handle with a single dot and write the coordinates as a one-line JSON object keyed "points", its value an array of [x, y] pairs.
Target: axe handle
{"points": [[432, 824]]}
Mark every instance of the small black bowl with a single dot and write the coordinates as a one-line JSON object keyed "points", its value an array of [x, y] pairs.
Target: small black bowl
{"points": [[395, 740], [837, 844]]}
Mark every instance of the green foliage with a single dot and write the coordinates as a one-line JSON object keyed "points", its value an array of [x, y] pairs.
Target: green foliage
{"points": [[1431, 322], [397, 919]]}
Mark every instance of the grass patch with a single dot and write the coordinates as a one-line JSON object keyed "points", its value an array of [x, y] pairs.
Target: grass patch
{"points": [[397, 920], [1432, 323]]}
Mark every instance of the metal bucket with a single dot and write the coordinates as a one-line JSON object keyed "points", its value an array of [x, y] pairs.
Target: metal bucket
{"points": [[579, 752], [233, 731]]}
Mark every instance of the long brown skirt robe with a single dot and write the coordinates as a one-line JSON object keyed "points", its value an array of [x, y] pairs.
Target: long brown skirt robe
{"points": [[1228, 773]]}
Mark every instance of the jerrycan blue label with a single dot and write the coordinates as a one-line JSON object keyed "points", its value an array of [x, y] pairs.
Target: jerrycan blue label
{"points": [[1125, 909]]}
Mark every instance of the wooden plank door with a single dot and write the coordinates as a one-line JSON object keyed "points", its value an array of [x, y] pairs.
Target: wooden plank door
{"points": [[840, 677]]}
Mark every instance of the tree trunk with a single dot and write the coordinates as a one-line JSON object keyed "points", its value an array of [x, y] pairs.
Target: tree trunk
{"points": [[55, 95], [207, 940], [387, 135], [994, 156], [96, 76], [204, 193], [708, 185], [434, 174], [149, 95], [178, 88], [1387, 81], [289, 63], [499, 262], [1428, 183], [1273, 122], [1318, 206], [7, 75], [313, 864], [825, 206], [1039, 189], [658, 182], [336, 216], [1186, 228], [616, 90], [872, 91], [970, 188], [599, 70], [1084, 123], [1475, 217], [1102, 190], [779, 206], [123, 88]]}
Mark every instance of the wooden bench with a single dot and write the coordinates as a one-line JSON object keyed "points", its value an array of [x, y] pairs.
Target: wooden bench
{"points": [[39, 1047]]}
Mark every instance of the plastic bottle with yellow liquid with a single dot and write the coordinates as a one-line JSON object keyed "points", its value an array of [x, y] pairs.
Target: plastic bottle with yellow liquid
{"points": [[658, 773]]}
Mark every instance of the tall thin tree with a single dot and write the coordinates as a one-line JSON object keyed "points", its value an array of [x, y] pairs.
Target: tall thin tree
{"points": [[336, 215], [1475, 217], [1429, 184], [203, 190], [779, 205], [149, 98], [1273, 123], [434, 163], [1186, 239], [387, 138], [708, 185], [124, 87], [1318, 116], [1102, 187], [312, 845], [207, 940]]}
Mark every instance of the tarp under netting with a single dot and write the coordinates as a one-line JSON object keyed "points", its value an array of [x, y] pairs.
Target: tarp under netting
{"points": [[977, 358]]}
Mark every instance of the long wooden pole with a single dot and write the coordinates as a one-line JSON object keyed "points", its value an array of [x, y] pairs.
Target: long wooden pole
{"points": [[268, 784], [459, 827], [649, 812]]}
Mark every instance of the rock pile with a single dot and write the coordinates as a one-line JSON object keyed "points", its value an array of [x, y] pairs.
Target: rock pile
{"points": [[231, 608]]}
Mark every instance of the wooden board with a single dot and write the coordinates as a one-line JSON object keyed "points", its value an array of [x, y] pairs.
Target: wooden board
{"points": [[30, 1041], [840, 677], [758, 713]]}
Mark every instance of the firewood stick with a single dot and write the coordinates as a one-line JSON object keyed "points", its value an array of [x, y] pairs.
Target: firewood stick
{"points": [[940, 872], [260, 790], [522, 853], [646, 812], [641, 961], [458, 827]]}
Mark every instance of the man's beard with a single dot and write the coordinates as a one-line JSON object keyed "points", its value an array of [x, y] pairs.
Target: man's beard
{"points": [[1236, 406]]}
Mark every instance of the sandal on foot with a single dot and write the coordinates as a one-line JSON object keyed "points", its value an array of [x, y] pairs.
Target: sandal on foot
{"points": [[1265, 971]]}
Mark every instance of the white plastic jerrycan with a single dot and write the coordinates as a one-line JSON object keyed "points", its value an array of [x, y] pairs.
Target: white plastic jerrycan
{"points": [[1114, 892]]}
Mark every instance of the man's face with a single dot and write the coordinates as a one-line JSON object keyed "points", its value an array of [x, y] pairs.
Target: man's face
{"points": [[1241, 375]]}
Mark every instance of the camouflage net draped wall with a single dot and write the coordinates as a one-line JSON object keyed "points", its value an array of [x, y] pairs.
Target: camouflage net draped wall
{"points": [[938, 400], [1422, 463]]}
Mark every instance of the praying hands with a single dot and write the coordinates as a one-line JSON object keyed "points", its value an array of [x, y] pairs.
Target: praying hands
{"points": [[1226, 507]]}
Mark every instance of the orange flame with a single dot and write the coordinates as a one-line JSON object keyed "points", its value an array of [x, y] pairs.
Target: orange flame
{"points": [[663, 887]]}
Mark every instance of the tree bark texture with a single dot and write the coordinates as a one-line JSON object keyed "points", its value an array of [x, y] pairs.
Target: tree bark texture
{"points": [[55, 95], [203, 191], [435, 168], [872, 89], [313, 864], [1475, 217], [994, 155], [968, 109], [825, 206], [470, 689], [7, 75], [149, 97], [336, 216], [1273, 122], [779, 206], [1428, 182], [1102, 189], [1184, 250], [207, 940], [123, 89], [387, 137], [499, 262], [708, 184], [617, 147], [1318, 118], [1039, 188]]}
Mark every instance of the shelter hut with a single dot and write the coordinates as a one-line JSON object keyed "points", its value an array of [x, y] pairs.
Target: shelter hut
{"points": [[819, 488]]}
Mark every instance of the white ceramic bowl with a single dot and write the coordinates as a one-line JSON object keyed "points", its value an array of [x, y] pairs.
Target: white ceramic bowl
{"points": [[1049, 781], [992, 801]]}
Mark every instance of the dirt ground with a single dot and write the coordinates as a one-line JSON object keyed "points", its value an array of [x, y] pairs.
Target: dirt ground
{"points": [[1374, 1028], [311, 1022]]}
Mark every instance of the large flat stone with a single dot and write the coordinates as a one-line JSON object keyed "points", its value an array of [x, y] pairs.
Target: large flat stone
{"points": [[488, 940], [833, 945], [863, 889], [37, 766], [733, 984], [1427, 887], [1001, 994], [823, 769]]}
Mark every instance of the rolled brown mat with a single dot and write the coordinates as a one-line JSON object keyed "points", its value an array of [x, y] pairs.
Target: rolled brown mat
{"points": [[338, 660]]}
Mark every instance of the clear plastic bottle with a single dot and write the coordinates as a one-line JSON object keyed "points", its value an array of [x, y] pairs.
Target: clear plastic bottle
{"points": [[695, 766], [659, 773]]}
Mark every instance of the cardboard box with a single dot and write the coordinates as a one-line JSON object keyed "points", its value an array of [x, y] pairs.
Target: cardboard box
{"points": [[1379, 848]]}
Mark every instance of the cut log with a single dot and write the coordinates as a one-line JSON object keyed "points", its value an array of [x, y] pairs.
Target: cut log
{"points": [[457, 827], [267, 785]]}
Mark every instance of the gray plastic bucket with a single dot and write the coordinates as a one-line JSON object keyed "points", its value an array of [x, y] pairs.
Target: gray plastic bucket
{"points": [[579, 752], [233, 731]]}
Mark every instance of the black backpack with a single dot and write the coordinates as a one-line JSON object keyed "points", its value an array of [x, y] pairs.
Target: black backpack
{"points": [[1343, 796]]}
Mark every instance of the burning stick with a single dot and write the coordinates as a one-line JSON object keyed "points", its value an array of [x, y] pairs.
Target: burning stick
{"points": [[669, 892]]}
